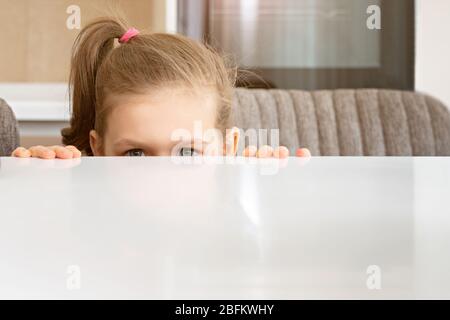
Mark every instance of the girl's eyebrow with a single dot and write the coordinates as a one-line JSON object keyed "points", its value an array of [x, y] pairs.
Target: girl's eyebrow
{"points": [[125, 142], [121, 143], [191, 141], [128, 141]]}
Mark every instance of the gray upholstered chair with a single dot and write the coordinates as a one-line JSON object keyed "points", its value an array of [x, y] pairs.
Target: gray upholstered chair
{"points": [[329, 123], [348, 122], [9, 133]]}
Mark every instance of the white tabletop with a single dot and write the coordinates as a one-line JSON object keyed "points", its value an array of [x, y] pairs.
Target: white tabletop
{"points": [[154, 228]]}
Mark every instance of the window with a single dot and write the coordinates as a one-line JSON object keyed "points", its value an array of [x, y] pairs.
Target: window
{"points": [[306, 44]]}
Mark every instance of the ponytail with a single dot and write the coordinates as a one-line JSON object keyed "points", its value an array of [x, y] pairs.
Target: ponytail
{"points": [[140, 63], [91, 46]]}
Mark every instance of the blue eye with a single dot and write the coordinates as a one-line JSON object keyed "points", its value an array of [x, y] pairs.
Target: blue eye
{"points": [[135, 153], [188, 152]]}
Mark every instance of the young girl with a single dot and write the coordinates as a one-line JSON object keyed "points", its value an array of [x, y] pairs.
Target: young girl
{"points": [[130, 96]]}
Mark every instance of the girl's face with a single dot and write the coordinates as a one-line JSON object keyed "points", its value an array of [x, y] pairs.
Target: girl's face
{"points": [[150, 124]]}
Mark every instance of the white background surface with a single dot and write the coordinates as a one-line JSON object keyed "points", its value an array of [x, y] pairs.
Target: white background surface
{"points": [[150, 228]]}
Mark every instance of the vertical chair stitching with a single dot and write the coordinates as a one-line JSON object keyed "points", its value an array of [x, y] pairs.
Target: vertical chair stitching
{"points": [[314, 100], [358, 115], [289, 94], [258, 106], [402, 96], [297, 117], [276, 94], [383, 124], [333, 107], [273, 96], [427, 108]]}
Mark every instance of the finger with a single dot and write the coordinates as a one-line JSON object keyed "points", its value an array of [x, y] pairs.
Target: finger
{"points": [[250, 151], [281, 152], [76, 153], [42, 152], [265, 152], [303, 152], [61, 152], [232, 141], [21, 152]]}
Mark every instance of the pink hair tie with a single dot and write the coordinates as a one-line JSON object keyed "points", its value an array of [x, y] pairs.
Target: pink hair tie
{"points": [[131, 33]]}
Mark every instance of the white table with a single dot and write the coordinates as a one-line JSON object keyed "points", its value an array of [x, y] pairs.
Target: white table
{"points": [[153, 228]]}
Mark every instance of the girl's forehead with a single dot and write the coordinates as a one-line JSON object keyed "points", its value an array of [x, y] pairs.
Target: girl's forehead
{"points": [[174, 103], [161, 113], [168, 96]]}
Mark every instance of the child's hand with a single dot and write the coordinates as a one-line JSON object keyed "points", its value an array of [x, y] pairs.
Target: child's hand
{"points": [[268, 152], [232, 143], [53, 152]]}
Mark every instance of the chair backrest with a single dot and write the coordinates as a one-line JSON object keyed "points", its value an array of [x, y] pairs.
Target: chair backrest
{"points": [[9, 133], [362, 122]]}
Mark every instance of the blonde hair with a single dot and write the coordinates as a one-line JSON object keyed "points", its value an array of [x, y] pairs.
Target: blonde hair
{"points": [[100, 67]]}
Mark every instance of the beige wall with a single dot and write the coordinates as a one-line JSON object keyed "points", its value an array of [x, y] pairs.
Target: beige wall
{"points": [[36, 44]]}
